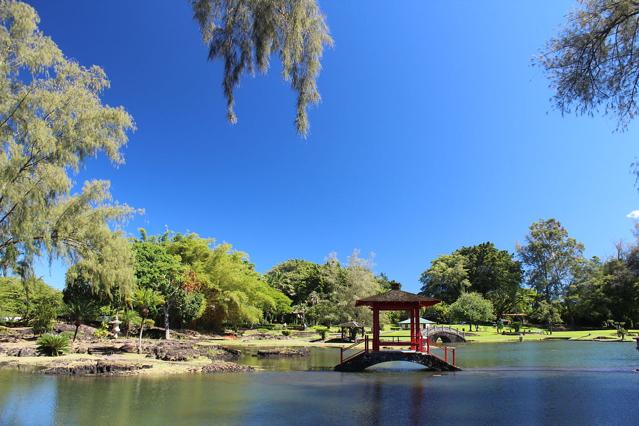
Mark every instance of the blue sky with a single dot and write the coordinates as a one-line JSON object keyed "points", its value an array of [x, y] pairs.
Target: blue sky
{"points": [[434, 132]]}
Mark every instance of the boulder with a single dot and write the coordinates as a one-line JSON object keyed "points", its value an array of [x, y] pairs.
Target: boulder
{"points": [[283, 352], [21, 352], [170, 350], [225, 367]]}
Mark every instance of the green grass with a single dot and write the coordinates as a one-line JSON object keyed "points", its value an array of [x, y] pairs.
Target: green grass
{"points": [[489, 334]]}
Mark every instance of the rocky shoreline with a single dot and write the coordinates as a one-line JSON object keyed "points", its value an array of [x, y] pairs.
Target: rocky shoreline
{"points": [[91, 356]]}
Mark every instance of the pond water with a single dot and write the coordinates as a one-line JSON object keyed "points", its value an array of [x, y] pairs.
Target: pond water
{"points": [[571, 383]]}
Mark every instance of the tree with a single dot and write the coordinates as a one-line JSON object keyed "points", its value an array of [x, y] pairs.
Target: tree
{"points": [[357, 282], [82, 303], [548, 313], [19, 300], [297, 279], [472, 308], [586, 302], [146, 301], [493, 273], [157, 269], [621, 290], [593, 64], [245, 34], [51, 120], [446, 279], [549, 256]]}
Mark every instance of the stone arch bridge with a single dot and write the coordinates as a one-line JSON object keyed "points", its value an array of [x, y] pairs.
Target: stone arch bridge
{"points": [[445, 334]]}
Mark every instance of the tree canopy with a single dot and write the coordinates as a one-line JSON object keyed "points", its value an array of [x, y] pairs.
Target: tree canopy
{"points": [[550, 256], [51, 119], [593, 63], [246, 33]]}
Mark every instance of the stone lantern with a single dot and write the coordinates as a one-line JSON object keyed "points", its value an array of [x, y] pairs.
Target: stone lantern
{"points": [[115, 326]]}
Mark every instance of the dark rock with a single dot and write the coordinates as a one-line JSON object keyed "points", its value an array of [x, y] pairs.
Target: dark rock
{"points": [[284, 352], [170, 350], [225, 367], [81, 349], [22, 352], [129, 348], [102, 368]]}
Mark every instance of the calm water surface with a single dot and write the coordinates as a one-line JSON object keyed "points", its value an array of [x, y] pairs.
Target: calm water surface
{"points": [[565, 383]]}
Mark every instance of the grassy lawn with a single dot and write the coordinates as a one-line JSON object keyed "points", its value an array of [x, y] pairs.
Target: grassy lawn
{"points": [[489, 334], [486, 334]]}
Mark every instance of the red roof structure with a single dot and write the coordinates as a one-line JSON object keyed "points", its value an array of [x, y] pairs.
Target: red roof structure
{"points": [[398, 300]]}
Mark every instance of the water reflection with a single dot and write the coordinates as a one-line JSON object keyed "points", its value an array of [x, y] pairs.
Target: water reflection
{"points": [[390, 395]]}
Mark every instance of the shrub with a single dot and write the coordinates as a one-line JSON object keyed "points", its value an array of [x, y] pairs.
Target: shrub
{"points": [[67, 334], [322, 331], [286, 332], [103, 331], [45, 311], [52, 344]]}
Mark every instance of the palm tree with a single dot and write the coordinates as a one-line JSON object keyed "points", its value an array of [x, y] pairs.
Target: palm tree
{"points": [[146, 302], [80, 311]]}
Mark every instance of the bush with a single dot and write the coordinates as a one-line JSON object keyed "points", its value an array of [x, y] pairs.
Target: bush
{"points": [[322, 331], [52, 344], [45, 311], [67, 334], [103, 331], [286, 332]]}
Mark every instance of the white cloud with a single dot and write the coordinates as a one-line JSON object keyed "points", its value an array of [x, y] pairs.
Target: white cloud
{"points": [[633, 214]]}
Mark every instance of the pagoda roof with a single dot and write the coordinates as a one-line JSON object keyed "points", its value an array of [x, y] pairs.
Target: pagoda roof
{"points": [[397, 298]]}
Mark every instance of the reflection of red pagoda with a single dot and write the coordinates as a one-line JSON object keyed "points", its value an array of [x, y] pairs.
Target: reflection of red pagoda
{"points": [[395, 300]]}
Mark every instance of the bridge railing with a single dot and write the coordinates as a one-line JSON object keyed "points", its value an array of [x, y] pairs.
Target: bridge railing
{"points": [[431, 329], [342, 351], [449, 354]]}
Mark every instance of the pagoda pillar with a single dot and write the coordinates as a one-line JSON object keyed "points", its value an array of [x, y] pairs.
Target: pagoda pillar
{"points": [[375, 329]]}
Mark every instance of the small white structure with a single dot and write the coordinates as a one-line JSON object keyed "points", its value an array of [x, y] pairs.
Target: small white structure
{"points": [[423, 323]]}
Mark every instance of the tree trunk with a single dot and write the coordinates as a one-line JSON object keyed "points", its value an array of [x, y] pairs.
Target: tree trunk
{"points": [[141, 330], [77, 327], [167, 332]]}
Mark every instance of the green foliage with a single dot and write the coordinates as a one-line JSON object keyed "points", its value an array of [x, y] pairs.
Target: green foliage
{"points": [[446, 279], [591, 63], [52, 344], [286, 332], [472, 308], [244, 34], [46, 309], [103, 331], [494, 274], [51, 120], [439, 313], [326, 293], [548, 313], [550, 257], [322, 330], [17, 297], [81, 301], [147, 301]]}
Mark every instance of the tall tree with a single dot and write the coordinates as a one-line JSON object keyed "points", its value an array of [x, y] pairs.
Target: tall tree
{"points": [[446, 279], [51, 119], [81, 300], [549, 256], [621, 289], [246, 33], [586, 302], [493, 273], [158, 270]]}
